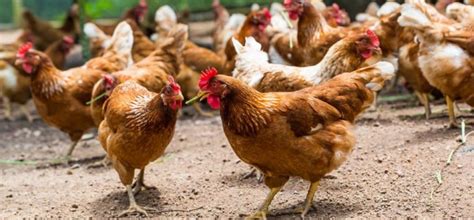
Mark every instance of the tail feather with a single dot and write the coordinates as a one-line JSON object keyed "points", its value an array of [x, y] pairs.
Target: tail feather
{"points": [[122, 41], [411, 16], [166, 18], [176, 39], [376, 75]]}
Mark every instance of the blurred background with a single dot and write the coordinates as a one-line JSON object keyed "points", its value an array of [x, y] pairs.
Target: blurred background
{"points": [[198, 10]]}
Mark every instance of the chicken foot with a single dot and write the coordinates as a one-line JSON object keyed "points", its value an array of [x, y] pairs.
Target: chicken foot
{"points": [[425, 100], [258, 174], [263, 210], [134, 207], [309, 199], [139, 184], [201, 112]]}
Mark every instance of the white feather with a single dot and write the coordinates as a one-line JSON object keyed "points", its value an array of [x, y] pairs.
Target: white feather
{"points": [[165, 13], [412, 17], [388, 8], [122, 40], [387, 69], [8, 76]]}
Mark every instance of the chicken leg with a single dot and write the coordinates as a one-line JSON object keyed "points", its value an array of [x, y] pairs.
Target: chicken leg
{"points": [[134, 207], [201, 112], [263, 210], [27, 114], [309, 198], [425, 100], [71, 149], [140, 183], [8, 108], [451, 114]]}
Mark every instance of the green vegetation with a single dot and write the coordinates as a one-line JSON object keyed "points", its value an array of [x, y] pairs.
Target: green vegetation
{"points": [[55, 9]]}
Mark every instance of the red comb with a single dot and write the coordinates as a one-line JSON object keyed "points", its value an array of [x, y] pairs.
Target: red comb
{"points": [[267, 13], [173, 84], [68, 40], [373, 38], [287, 3], [24, 49], [207, 75], [336, 7], [108, 79], [143, 3]]}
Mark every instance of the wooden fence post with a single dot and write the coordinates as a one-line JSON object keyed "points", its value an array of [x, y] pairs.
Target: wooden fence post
{"points": [[84, 41], [17, 7]]}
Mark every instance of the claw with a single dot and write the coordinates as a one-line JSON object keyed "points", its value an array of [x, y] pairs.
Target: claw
{"points": [[134, 208], [258, 215]]}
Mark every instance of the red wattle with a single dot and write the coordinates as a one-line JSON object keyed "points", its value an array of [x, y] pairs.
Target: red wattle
{"points": [[214, 101]]}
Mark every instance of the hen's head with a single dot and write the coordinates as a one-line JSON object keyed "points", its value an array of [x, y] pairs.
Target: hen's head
{"points": [[294, 8], [140, 10], [171, 94], [339, 15], [109, 82], [262, 19], [367, 44], [67, 44], [211, 88], [27, 58]]}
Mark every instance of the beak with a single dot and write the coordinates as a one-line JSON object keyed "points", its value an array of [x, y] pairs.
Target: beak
{"points": [[19, 62], [200, 96], [377, 50], [179, 97]]}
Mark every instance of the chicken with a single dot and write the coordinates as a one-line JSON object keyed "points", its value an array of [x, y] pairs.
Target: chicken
{"points": [[222, 36], [151, 72], [60, 97], [254, 25], [72, 25], [136, 14], [44, 33], [314, 38], [335, 16], [307, 133], [221, 18], [348, 54], [409, 68], [14, 87], [137, 128], [15, 83], [445, 65], [59, 50], [118, 53]]}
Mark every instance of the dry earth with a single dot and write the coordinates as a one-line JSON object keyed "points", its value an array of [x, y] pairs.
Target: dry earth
{"points": [[390, 173]]}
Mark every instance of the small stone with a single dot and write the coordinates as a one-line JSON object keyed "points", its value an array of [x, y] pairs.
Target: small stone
{"points": [[223, 146], [69, 172], [376, 124], [10, 196], [75, 166], [74, 206]]}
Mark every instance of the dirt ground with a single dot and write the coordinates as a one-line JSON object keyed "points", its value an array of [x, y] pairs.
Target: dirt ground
{"points": [[390, 173]]}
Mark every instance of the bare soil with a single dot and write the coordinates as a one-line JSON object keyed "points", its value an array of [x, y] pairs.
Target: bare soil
{"points": [[391, 173]]}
